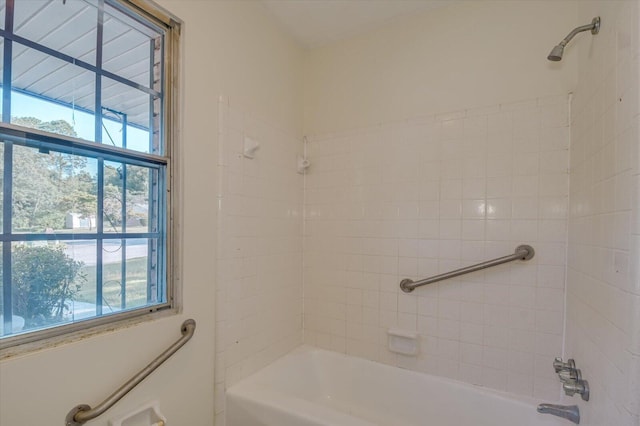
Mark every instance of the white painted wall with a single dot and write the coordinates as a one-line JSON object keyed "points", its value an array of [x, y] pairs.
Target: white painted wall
{"points": [[230, 48], [603, 282], [469, 55]]}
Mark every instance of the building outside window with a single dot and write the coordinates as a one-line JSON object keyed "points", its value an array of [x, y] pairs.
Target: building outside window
{"points": [[86, 154]]}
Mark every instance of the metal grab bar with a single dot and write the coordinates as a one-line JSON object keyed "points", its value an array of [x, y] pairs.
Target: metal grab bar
{"points": [[523, 252], [81, 414]]}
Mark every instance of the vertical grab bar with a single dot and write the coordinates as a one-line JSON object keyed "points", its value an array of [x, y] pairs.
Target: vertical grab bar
{"points": [[80, 414]]}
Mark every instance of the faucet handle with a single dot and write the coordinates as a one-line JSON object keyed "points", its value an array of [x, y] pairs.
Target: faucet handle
{"points": [[568, 374], [572, 387], [559, 365]]}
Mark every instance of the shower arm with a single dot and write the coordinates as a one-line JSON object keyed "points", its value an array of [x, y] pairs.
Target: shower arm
{"points": [[594, 27]]}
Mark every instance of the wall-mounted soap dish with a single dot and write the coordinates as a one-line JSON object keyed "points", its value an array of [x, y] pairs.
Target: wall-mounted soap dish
{"points": [[403, 342], [250, 146], [147, 415]]}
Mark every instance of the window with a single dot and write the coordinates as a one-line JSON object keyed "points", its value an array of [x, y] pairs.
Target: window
{"points": [[86, 150]]}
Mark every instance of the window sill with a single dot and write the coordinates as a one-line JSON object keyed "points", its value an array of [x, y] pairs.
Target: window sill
{"points": [[85, 333]]}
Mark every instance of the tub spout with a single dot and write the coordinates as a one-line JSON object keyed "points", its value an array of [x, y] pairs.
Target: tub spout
{"points": [[569, 412]]}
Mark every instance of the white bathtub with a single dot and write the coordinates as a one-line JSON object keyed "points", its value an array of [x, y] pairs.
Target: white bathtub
{"points": [[312, 387]]}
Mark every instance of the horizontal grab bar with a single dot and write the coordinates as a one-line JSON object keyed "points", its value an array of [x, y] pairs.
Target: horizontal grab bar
{"points": [[523, 252], [81, 414]]}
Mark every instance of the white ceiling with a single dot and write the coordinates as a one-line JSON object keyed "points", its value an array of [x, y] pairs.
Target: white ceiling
{"points": [[314, 23]]}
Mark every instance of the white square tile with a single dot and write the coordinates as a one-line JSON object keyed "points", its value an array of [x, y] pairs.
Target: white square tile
{"points": [[408, 303], [474, 167], [408, 248], [494, 358], [495, 337], [498, 230], [449, 329], [471, 354], [554, 185], [407, 321], [553, 207], [499, 187], [473, 250], [549, 322], [449, 309], [526, 163], [499, 165], [473, 230], [494, 378], [428, 306], [525, 208], [428, 326], [520, 384], [408, 266], [554, 162], [451, 189], [450, 229], [474, 188], [474, 209], [458, 191], [471, 312], [428, 229], [471, 333], [523, 318], [449, 249], [471, 373], [498, 208], [451, 209], [526, 186]]}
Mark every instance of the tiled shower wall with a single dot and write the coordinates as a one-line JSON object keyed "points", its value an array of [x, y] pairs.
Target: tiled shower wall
{"points": [[424, 196], [259, 272], [603, 283]]}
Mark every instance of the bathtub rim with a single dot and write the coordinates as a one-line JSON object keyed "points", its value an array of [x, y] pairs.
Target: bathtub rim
{"points": [[444, 381]]}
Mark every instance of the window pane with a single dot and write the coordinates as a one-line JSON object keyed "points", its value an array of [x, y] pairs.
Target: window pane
{"points": [[123, 104], [125, 274], [45, 279], [3, 7], [135, 217], [68, 27], [128, 47], [52, 95], [1, 188], [113, 286], [83, 304], [1, 70], [1, 293], [138, 275], [138, 198], [53, 192], [113, 214], [114, 128]]}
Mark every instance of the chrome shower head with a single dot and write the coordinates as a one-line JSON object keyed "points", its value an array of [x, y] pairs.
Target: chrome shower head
{"points": [[557, 51]]}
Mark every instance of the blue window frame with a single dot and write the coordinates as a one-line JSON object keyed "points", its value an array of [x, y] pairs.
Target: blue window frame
{"points": [[85, 165]]}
